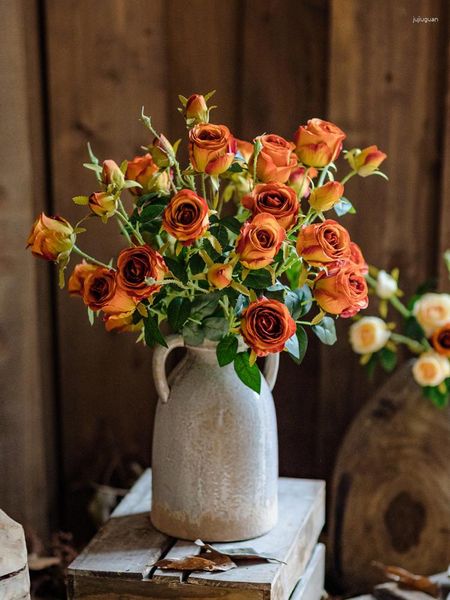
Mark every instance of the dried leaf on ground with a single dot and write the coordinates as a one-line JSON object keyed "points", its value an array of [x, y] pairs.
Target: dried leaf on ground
{"points": [[239, 554], [196, 563], [409, 580]]}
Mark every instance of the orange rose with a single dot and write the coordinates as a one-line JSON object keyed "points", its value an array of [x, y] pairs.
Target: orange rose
{"points": [[366, 161], [186, 217], [276, 160], [78, 277], [341, 290], [220, 275], [266, 326], [135, 266], [143, 170], [325, 197], [211, 148], [102, 204], [357, 258], [100, 292], [196, 109], [245, 149], [111, 174], [51, 237], [300, 180], [318, 142], [259, 241], [323, 243], [441, 340], [276, 199]]}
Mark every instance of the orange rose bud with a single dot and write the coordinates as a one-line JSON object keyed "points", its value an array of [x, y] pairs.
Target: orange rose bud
{"points": [[220, 275], [266, 326], [111, 174], [276, 199], [441, 340], [135, 266], [318, 142], [143, 170], [78, 277], [276, 161], [186, 217], [300, 180], [259, 241], [357, 258], [325, 197], [341, 290], [159, 151], [196, 109], [102, 204], [366, 161], [323, 243], [50, 237], [211, 148], [245, 149]]}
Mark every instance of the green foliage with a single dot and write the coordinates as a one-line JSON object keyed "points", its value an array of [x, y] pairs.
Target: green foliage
{"points": [[215, 328], [152, 332], [388, 359], [205, 305], [227, 349], [438, 398], [178, 312], [343, 207], [258, 279], [248, 374], [326, 331]]}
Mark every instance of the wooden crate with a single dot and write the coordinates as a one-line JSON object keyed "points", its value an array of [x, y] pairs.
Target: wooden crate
{"points": [[118, 561]]}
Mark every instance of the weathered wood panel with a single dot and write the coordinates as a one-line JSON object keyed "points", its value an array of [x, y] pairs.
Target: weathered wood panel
{"points": [[378, 95], [445, 179]]}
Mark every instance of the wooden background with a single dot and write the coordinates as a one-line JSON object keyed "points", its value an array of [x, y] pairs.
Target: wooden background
{"points": [[76, 403]]}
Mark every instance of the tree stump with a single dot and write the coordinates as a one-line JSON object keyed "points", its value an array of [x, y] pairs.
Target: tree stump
{"points": [[391, 487], [14, 578]]}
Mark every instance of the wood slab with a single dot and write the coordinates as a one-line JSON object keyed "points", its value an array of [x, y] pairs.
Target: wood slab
{"points": [[310, 586], [119, 559]]}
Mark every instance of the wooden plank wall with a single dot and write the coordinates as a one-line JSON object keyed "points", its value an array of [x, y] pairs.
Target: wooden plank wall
{"points": [[84, 68]]}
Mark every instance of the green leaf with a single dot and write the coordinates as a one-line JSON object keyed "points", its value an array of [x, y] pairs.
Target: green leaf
{"points": [[413, 329], [258, 279], [298, 301], [177, 268], [235, 168], [326, 331], [343, 207], [215, 328], [439, 399], [150, 212], [153, 334], [241, 303], [292, 347], [302, 337], [221, 234], [232, 224], [388, 359], [227, 349], [193, 334], [204, 305], [91, 315], [250, 375], [196, 264], [178, 312]]}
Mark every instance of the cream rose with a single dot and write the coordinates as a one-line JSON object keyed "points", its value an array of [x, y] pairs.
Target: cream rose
{"points": [[368, 335], [431, 369], [432, 311], [386, 286]]}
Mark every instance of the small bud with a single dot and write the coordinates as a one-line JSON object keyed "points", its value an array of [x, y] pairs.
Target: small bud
{"points": [[386, 286]]}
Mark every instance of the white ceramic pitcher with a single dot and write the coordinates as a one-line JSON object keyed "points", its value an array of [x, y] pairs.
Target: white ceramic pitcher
{"points": [[215, 448]]}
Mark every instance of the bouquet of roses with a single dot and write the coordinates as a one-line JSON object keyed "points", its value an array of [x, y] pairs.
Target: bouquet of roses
{"points": [[261, 274], [426, 332]]}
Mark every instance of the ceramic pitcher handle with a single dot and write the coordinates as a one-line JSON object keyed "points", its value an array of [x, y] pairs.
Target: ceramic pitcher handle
{"points": [[270, 370], [159, 365]]}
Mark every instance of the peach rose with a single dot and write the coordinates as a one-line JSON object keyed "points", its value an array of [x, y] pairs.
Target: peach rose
{"points": [[50, 237], [441, 340], [144, 170], [357, 258], [341, 290], [277, 159], [220, 275], [431, 369], [366, 161], [135, 266], [325, 197], [196, 109], [111, 174], [300, 180], [432, 311], [186, 217], [211, 148], [259, 241], [75, 285], [323, 243], [318, 142], [245, 149], [266, 325], [276, 199], [368, 335], [102, 204], [100, 292]]}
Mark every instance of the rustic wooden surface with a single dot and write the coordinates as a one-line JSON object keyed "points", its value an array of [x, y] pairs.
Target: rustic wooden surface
{"points": [[311, 584], [392, 482], [274, 64], [128, 545]]}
